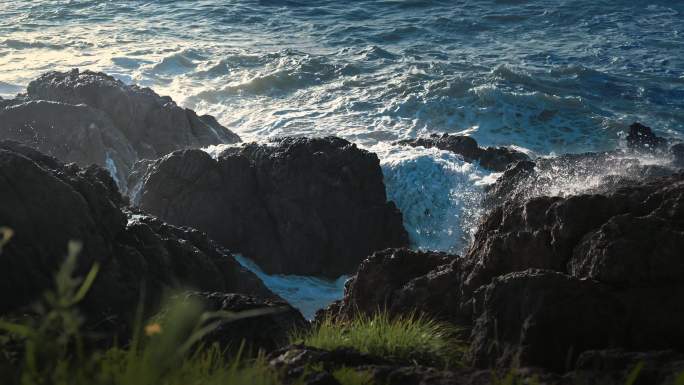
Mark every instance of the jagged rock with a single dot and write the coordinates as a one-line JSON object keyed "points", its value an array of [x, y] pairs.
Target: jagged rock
{"points": [[300, 364], [92, 118], [493, 158], [47, 204], [612, 367], [642, 138], [545, 319], [295, 206], [677, 152], [267, 329], [379, 281], [571, 174]]}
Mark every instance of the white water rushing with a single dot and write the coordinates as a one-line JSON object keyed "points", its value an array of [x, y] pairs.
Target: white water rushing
{"points": [[547, 76]]}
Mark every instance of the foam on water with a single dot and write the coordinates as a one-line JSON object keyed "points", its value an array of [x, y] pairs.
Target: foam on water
{"points": [[308, 294], [439, 195], [550, 77]]}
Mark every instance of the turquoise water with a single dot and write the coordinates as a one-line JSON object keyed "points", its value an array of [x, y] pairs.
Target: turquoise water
{"points": [[547, 76]]}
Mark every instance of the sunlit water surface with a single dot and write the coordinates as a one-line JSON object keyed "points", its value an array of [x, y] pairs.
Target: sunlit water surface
{"points": [[547, 76]]}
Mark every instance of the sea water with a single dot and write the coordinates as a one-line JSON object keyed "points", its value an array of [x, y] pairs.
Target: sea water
{"points": [[547, 76]]}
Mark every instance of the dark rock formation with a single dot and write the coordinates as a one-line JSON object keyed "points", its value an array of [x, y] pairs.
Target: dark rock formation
{"points": [[295, 206], [267, 325], [571, 174], [92, 118], [677, 152], [545, 319], [400, 281], [493, 158], [628, 238], [613, 366], [305, 365], [47, 204], [612, 267], [642, 138]]}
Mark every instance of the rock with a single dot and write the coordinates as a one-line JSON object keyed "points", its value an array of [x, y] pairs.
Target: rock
{"points": [[379, 281], [267, 331], [47, 204], [310, 366], [572, 174], [493, 158], [614, 366], [677, 152], [642, 138], [296, 362], [295, 206], [92, 118], [545, 319], [506, 186]]}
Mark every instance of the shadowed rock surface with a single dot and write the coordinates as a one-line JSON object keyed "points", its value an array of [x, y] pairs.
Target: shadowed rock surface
{"points": [[47, 204], [295, 206], [91, 118], [550, 277], [268, 324], [492, 158]]}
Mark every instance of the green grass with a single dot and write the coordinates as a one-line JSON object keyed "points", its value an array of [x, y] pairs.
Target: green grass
{"points": [[411, 338], [48, 348]]}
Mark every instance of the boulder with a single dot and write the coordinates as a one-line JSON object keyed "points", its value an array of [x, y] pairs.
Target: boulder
{"points": [[267, 326], [47, 204], [642, 138], [546, 319], [492, 158], [381, 284], [295, 206], [91, 118]]}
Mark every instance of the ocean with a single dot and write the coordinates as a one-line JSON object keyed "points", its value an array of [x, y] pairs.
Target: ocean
{"points": [[546, 76]]}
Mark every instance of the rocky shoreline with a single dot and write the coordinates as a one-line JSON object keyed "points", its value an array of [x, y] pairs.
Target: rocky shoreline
{"points": [[564, 285]]}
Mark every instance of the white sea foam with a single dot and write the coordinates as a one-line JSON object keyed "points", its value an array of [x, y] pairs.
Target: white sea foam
{"points": [[308, 294], [439, 195]]}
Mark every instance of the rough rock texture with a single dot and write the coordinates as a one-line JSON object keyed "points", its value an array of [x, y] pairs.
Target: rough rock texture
{"points": [[643, 138], [299, 364], [92, 118], [493, 158], [295, 206], [401, 281], [613, 366], [550, 277], [646, 155], [47, 204], [268, 328], [545, 319], [628, 238]]}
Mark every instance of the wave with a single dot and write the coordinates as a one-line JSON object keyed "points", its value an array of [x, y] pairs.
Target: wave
{"points": [[308, 294], [439, 195]]}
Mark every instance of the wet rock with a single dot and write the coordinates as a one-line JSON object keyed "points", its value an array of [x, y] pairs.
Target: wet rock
{"points": [[267, 327], [572, 174], [493, 158], [92, 118], [295, 206], [545, 319], [642, 138], [677, 152], [47, 204], [614, 366], [381, 283]]}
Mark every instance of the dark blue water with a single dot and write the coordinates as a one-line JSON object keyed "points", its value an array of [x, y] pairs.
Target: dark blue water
{"points": [[548, 76]]}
